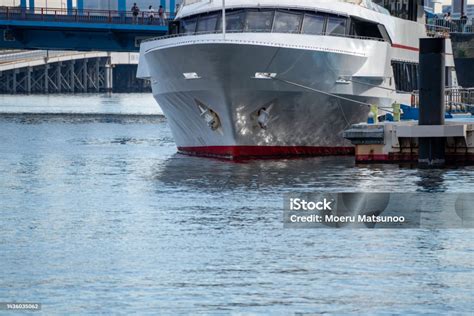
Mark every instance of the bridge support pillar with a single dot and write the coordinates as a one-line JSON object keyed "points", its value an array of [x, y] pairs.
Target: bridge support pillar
{"points": [[32, 6], [14, 83], [28, 80], [172, 8], [69, 7], [72, 79], [80, 6], [109, 76], [58, 78], [46, 78], [122, 8], [122, 5], [84, 76], [97, 75]]}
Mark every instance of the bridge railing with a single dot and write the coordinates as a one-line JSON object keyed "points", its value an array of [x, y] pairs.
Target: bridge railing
{"points": [[30, 55], [453, 26], [84, 16]]}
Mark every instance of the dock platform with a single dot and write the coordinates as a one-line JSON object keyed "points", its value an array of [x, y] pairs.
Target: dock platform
{"points": [[398, 141]]}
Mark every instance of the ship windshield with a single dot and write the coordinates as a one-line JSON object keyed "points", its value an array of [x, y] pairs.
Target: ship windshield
{"points": [[313, 24], [336, 26], [259, 21], [286, 22], [207, 23], [235, 21], [189, 25], [283, 21]]}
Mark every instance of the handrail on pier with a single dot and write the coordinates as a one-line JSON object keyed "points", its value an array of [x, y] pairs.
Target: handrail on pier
{"points": [[452, 26], [457, 99]]}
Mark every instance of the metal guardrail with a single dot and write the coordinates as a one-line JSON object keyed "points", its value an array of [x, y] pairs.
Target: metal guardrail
{"points": [[83, 16], [453, 26], [457, 99], [30, 55]]}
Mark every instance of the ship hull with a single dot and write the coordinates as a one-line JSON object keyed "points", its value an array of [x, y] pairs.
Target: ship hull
{"points": [[307, 112]]}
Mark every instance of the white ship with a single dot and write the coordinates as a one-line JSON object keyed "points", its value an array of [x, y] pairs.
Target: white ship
{"points": [[284, 79]]}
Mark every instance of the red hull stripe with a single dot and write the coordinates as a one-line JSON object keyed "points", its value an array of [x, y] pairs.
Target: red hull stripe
{"points": [[415, 49], [265, 151]]}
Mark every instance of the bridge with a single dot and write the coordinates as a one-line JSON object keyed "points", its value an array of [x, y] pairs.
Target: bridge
{"points": [[77, 28], [39, 71]]}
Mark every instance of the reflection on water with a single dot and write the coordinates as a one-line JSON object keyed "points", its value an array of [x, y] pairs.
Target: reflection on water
{"points": [[123, 103], [335, 174], [103, 216]]}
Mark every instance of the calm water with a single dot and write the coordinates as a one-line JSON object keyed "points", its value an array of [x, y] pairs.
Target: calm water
{"points": [[100, 215]]}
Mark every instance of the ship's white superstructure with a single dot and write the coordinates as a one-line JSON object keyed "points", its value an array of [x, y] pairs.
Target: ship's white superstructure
{"points": [[286, 78]]}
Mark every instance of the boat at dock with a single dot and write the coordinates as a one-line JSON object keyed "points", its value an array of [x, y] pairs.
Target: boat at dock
{"points": [[285, 78]]}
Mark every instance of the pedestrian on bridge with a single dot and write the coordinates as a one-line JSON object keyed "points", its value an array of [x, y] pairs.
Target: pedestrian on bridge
{"points": [[135, 11], [151, 14]]}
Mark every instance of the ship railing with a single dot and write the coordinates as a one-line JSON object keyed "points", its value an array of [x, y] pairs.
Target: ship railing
{"points": [[82, 15], [457, 99], [257, 31]]}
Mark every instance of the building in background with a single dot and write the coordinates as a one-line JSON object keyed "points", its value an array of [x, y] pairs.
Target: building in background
{"points": [[456, 8], [459, 7], [436, 6]]}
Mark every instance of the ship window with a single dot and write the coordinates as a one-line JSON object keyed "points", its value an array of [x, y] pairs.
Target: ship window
{"points": [[259, 21], [207, 23], [189, 25], [365, 29], [313, 24], [286, 22], [336, 26], [235, 21], [406, 76], [384, 33]]}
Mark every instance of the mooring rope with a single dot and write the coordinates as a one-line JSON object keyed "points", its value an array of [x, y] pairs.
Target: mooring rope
{"points": [[328, 93]]}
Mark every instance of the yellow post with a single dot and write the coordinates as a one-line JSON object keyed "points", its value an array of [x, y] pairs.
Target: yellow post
{"points": [[396, 112], [374, 110]]}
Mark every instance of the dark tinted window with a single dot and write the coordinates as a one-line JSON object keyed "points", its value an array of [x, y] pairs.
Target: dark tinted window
{"points": [[283, 21], [260, 21], [189, 25], [313, 24], [406, 76], [366, 29], [235, 21], [336, 26], [286, 22], [207, 23]]}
